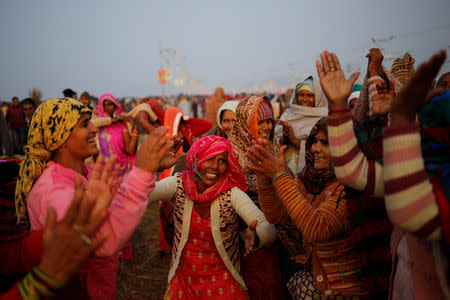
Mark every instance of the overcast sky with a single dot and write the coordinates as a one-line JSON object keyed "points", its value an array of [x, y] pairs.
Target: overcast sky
{"points": [[113, 46]]}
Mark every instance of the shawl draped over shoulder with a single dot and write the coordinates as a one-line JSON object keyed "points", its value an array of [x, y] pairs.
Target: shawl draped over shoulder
{"points": [[302, 119]]}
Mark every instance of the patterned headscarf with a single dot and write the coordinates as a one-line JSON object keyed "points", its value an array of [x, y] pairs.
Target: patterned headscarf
{"points": [[403, 68], [202, 150], [313, 179], [50, 127], [245, 133], [265, 111]]}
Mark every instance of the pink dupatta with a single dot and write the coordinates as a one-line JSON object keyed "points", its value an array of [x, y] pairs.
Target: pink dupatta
{"points": [[115, 131]]}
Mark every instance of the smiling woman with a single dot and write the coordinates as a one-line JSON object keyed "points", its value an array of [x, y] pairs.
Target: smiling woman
{"points": [[80, 144], [211, 170], [311, 216], [254, 119], [61, 137], [225, 118], [207, 201], [321, 151], [306, 106]]}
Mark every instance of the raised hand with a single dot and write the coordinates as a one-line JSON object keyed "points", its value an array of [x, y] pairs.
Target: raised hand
{"points": [[103, 183], [69, 244], [336, 87], [153, 149], [414, 94], [250, 237], [171, 157], [375, 61], [264, 163], [288, 134], [381, 102]]}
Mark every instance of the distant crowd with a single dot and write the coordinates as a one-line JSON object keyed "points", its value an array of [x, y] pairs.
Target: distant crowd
{"points": [[331, 190]]}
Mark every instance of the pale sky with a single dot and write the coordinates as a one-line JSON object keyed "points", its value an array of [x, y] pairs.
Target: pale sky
{"points": [[112, 46]]}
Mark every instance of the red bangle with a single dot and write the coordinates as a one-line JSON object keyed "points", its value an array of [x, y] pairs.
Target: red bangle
{"points": [[338, 110]]}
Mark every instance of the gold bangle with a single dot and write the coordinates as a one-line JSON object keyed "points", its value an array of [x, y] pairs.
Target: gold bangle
{"points": [[278, 175]]}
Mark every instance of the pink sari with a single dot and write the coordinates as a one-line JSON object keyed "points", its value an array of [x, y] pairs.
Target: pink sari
{"points": [[111, 137]]}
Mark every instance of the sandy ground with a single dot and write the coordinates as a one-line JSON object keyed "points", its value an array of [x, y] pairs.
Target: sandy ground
{"points": [[145, 275]]}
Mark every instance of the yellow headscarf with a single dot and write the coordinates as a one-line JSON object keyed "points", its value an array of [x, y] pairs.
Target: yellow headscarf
{"points": [[51, 125]]}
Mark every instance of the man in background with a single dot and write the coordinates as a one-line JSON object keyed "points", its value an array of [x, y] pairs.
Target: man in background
{"points": [[16, 124], [29, 107]]}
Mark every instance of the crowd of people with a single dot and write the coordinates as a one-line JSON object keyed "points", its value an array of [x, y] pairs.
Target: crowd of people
{"points": [[331, 190]]}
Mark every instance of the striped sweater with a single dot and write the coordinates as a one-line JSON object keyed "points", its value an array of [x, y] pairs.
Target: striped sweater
{"points": [[410, 201], [409, 196], [368, 218], [351, 166], [327, 240], [318, 217]]}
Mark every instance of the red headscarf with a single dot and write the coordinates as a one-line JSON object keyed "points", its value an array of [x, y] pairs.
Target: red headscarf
{"points": [[201, 151]]}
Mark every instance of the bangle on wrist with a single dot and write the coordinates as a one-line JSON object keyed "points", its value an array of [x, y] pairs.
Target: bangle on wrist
{"points": [[52, 282], [278, 175], [36, 285], [338, 110], [42, 287]]}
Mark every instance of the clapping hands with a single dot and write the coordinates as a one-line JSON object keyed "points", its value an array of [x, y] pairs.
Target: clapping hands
{"points": [[288, 134], [103, 183], [336, 87], [381, 102], [68, 245], [263, 162], [151, 156], [171, 157]]}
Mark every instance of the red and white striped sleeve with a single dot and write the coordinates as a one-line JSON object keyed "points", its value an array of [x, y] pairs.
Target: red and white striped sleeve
{"points": [[410, 200], [351, 166]]}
